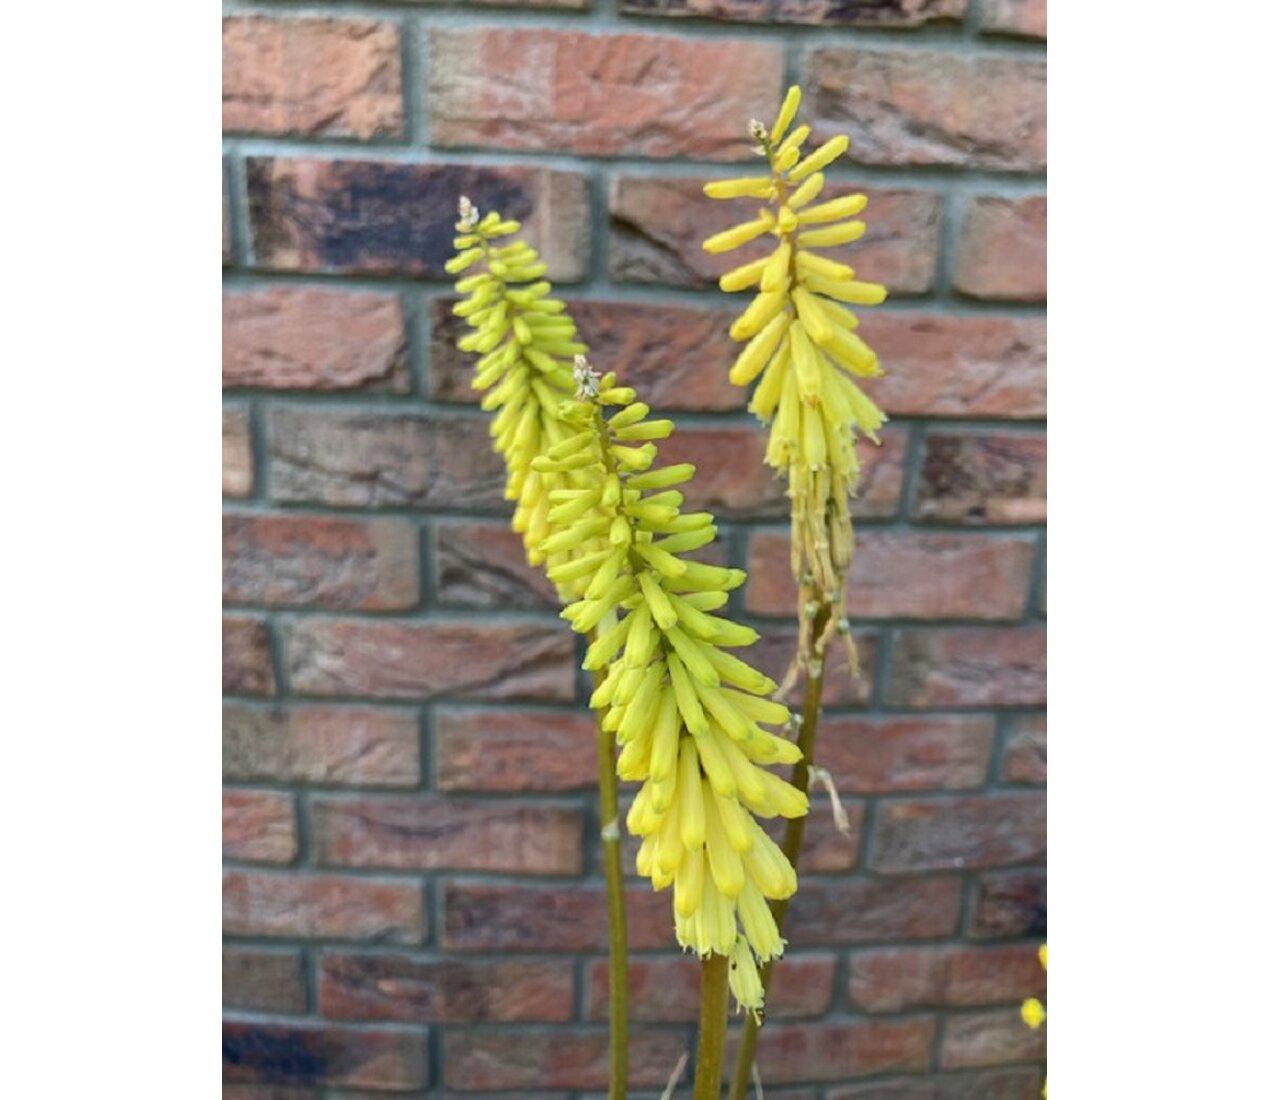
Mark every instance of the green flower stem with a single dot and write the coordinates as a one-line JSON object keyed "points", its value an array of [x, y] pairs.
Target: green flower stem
{"points": [[793, 835], [711, 1041]]}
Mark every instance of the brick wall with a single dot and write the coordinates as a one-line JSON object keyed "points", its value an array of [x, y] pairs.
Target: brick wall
{"points": [[411, 890]]}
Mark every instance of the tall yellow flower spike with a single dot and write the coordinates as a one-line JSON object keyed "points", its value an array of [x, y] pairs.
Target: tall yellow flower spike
{"points": [[800, 340], [687, 714]]}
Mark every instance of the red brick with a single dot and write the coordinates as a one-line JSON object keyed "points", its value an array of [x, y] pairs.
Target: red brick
{"points": [[354, 746], [1010, 903], [1002, 250], [506, 918], [483, 565], [535, 1058], [908, 107], [656, 226], [971, 667], [1023, 18], [825, 850], [850, 13], [235, 452], [258, 826], [853, 910], [1026, 751], [1013, 1083], [305, 1054], [989, 1039], [983, 477], [312, 77], [875, 755], [293, 338], [667, 990], [257, 979], [411, 990], [276, 1092], [322, 907], [320, 561], [514, 750], [381, 459], [246, 665], [777, 645], [959, 366], [906, 575], [599, 95], [412, 660], [893, 979], [830, 1051], [960, 833], [377, 217], [443, 833]]}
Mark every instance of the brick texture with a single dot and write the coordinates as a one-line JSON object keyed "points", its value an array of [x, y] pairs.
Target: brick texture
{"points": [[413, 901]]}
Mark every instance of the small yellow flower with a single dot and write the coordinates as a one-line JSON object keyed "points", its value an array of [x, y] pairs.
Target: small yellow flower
{"points": [[1043, 956], [1032, 1013]]}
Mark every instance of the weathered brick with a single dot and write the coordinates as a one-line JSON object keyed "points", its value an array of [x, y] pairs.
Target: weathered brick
{"points": [[657, 225], [960, 833], [379, 217], [1001, 253], [226, 218], [483, 565], [258, 826], [989, 1039], [235, 452], [322, 907], [535, 1058], [1023, 18], [301, 338], [1026, 751], [875, 755], [843, 13], [905, 107], [306, 1054], [275, 1092], [411, 660], [411, 990], [853, 910], [246, 664], [777, 645], [504, 918], [258, 979], [983, 477], [320, 561], [514, 750], [376, 459], [665, 990], [1010, 903], [354, 746], [900, 574], [599, 94], [893, 979], [824, 850], [830, 1051], [311, 77], [971, 667], [959, 366], [432, 834], [1012, 1083]]}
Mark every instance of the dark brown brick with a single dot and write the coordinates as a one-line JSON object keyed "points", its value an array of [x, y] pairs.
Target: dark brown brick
{"points": [[305, 1054], [411, 660], [989, 1039], [429, 834], [483, 565], [1013, 1083], [514, 750], [852, 910], [320, 561], [1002, 250], [235, 452], [970, 667], [1010, 903], [983, 477], [831, 1051], [601, 94], [874, 755], [246, 664], [311, 77], [843, 13], [258, 979], [301, 338], [377, 217], [354, 746], [1026, 751], [894, 979], [910, 107], [1023, 18], [410, 990], [657, 225], [259, 826], [960, 833], [777, 646], [322, 907]]}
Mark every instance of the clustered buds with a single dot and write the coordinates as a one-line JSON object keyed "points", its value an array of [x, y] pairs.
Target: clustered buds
{"points": [[688, 714]]}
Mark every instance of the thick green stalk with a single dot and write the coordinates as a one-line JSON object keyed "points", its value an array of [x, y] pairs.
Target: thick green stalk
{"points": [[711, 1041], [793, 835]]}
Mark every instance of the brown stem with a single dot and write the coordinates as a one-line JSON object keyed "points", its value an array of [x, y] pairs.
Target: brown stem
{"points": [[711, 1042]]}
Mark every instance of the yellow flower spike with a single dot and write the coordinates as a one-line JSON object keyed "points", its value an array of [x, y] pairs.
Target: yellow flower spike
{"points": [[820, 158], [738, 235], [1033, 1014], [759, 188], [787, 112], [745, 982], [1043, 956], [807, 192]]}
